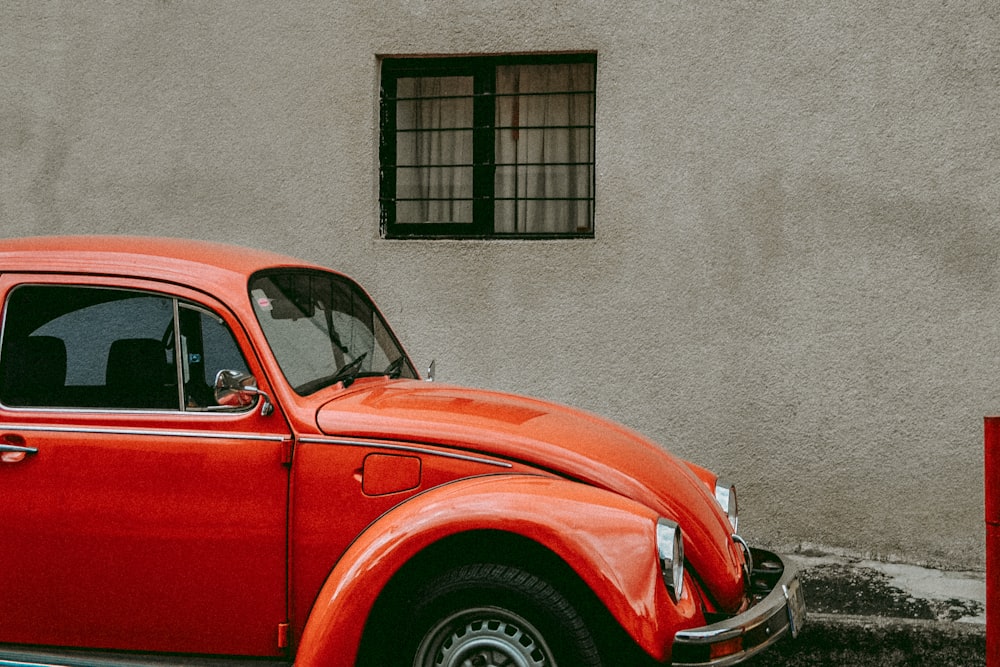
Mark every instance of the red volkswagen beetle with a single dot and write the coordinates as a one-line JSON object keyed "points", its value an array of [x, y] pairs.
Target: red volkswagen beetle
{"points": [[216, 455]]}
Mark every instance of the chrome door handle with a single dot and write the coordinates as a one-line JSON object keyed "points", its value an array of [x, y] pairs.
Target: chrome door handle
{"points": [[14, 453], [18, 448]]}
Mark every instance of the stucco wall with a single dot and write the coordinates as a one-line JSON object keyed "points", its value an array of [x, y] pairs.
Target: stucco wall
{"points": [[793, 279]]}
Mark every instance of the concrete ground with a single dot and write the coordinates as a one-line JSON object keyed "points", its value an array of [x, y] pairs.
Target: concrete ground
{"points": [[881, 614]]}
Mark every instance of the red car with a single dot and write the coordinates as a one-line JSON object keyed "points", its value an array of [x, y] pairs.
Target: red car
{"points": [[215, 455]]}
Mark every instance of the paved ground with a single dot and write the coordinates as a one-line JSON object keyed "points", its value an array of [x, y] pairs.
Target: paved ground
{"points": [[869, 613]]}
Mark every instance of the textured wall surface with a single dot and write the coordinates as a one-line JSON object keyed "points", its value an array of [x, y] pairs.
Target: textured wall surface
{"points": [[794, 276]]}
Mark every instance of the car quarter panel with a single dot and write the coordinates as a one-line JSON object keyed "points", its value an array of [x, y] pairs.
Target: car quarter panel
{"points": [[606, 539], [341, 486]]}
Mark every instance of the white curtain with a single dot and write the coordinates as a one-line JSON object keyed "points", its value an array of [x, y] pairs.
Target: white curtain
{"points": [[543, 148], [434, 149], [543, 182]]}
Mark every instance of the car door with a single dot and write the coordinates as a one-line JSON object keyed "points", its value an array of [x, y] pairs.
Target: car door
{"points": [[136, 513]]}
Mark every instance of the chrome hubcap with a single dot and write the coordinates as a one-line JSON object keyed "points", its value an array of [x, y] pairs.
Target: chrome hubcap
{"points": [[483, 637]]}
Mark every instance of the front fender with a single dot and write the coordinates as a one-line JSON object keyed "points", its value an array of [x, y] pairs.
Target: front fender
{"points": [[607, 539]]}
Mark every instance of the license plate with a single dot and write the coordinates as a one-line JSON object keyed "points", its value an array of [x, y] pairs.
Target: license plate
{"points": [[796, 606]]}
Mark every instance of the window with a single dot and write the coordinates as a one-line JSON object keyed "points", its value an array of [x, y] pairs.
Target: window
{"points": [[487, 147], [323, 330], [95, 347]]}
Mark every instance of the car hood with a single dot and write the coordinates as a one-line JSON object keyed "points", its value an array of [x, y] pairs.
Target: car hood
{"points": [[569, 442]]}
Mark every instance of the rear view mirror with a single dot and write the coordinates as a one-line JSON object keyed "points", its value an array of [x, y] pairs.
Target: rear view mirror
{"points": [[290, 297]]}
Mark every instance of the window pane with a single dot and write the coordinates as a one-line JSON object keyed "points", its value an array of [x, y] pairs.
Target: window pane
{"points": [[434, 149], [207, 347], [416, 183], [318, 323], [551, 216], [546, 78], [450, 211], [97, 348], [540, 181], [544, 148], [433, 102]]}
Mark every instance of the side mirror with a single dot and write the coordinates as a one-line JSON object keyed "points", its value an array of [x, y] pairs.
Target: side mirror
{"points": [[431, 370], [234, 389]]}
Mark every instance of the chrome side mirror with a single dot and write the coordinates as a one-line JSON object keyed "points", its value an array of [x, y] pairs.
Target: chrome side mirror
{"points": [[234, 389], [430, 371]]}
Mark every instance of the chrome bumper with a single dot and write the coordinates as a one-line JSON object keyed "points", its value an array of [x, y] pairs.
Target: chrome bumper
{"points": [[780, 611]]}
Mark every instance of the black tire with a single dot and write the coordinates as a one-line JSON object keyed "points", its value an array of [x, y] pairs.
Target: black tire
{"points": [[491, 615]]}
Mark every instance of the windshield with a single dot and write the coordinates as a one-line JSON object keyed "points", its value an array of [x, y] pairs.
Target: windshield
{"points": [[323, 330]]}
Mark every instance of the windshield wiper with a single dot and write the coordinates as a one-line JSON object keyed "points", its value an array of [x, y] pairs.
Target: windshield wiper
{"points": [[347, 374], [350, 372], [395, 369]]}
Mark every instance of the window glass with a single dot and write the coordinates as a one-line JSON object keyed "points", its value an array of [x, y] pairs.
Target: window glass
{"points": [[207, 347], [87, 347], [488, 146], [95, 347], [434, 150], [544, 148], [323, 329]]}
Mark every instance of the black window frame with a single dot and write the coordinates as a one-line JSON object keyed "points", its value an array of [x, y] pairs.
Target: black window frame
{"points": [[483, 71]]}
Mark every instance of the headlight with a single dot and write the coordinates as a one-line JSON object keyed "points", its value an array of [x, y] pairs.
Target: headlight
{"points": [[670, 546], [725, 493]]}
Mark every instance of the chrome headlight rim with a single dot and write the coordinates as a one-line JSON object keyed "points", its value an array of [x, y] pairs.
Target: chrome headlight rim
{"points": [[725, 495], [670, 550]]}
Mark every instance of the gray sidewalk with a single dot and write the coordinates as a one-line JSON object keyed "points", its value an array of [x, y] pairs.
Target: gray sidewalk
{"points": [[871, 613]]}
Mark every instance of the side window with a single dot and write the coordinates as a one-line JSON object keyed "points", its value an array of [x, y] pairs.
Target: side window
{"points": [[95, 347], [207, 347]]}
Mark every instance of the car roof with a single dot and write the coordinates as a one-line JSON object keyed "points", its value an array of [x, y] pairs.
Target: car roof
{"points": [[177, 260]]}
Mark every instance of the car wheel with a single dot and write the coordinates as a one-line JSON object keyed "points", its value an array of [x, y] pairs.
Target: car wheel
{"points": [[491, 615]]}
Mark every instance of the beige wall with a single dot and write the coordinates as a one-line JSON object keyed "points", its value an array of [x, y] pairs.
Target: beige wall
{"points": [[794, 279]]}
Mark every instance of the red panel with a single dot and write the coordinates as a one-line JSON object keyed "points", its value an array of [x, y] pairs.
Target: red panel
{"points": [[992, 595], [141, 541], [992, 467]]}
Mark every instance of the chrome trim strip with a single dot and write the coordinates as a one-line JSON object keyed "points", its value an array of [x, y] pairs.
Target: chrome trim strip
{"points": [[724, 490], [406, 448], [214, 410], [170, 433], [179, 364]]}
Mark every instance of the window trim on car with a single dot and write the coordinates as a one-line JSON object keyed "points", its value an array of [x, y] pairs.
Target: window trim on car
{"points": [[484, 130]]}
